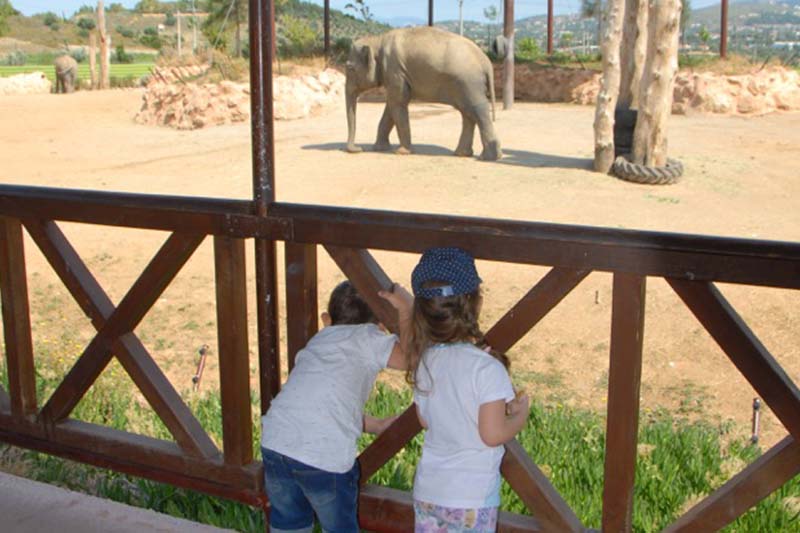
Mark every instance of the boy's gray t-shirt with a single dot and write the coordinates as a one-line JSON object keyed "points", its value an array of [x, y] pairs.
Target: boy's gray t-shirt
{"points": [[317, 416]]}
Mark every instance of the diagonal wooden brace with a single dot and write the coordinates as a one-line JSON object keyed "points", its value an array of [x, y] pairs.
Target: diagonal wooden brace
{"points": [[159, 392], [536, 491], [124, 319], [388, 443], [743, 491], [368, 278], [744, 349], [533, 307]]}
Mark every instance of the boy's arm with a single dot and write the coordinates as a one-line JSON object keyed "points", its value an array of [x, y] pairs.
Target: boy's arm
{"points": [[401, 300], [495, 426]]}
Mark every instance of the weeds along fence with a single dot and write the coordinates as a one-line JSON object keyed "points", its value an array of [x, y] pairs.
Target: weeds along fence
{"points": [[691, 265]]}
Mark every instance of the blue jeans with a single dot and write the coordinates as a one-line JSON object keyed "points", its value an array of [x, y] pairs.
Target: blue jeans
{"points": [[297, 491]]}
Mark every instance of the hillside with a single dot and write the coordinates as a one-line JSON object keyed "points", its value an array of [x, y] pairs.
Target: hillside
{"points": [[149, 31]]}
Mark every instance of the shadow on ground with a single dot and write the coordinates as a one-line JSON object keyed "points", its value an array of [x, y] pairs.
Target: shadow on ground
{"points": [[419, 149], [523, 158], [520, 158]]}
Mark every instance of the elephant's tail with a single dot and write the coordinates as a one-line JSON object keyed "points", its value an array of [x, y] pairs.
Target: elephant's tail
{"points": [[490, 82]]}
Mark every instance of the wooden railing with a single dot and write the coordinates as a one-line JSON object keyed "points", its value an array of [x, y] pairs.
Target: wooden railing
{"points": [[690, 264]]}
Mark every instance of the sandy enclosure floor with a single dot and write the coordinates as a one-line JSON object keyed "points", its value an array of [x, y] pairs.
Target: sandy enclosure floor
{"points": [[742, 179]]}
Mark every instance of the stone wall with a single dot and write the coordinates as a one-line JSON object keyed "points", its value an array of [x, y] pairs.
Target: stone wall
{"points": [[764, 91]]}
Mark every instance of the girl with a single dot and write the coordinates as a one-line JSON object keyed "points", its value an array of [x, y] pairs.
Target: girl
{"points": [[464, 398]]}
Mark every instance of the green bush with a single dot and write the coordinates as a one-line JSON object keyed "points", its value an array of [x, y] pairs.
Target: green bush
{"points": [[170, 19], [528, 49], [86, 24], [79, 54], [559, 58], [50, 19], [151, 38], [120, 56], [300, 38], [126, 32], [15, 58]]}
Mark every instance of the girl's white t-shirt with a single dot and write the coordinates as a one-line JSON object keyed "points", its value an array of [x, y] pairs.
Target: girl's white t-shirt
{"points": [[457, 469], [317, 416]]}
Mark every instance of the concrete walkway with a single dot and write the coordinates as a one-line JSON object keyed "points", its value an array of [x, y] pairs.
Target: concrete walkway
{"points": [[30, 507]]}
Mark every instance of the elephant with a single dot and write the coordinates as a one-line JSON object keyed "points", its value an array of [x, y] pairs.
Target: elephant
{"points": [[428, 64], [66, 73]]}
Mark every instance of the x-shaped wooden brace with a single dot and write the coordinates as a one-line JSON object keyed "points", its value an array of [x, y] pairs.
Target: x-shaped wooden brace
{"points": [[782, 462], [115, 333], [522, 474]]}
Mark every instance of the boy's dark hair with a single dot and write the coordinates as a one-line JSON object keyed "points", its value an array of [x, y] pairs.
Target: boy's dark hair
{"points": [[347, 307]]}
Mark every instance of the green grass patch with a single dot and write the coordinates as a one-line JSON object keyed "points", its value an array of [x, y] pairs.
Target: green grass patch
{"points": [[678, 462], [120, 71]]}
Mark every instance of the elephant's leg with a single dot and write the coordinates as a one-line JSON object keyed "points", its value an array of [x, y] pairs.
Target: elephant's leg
{"points": [[464, 148], [384, 129], [397, 103], [491, 144]]}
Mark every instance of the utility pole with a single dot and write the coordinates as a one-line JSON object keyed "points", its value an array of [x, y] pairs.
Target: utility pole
{"points": [[180, 42], [194, 30], [461, 17]]}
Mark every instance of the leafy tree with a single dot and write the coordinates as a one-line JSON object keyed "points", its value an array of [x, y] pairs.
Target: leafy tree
{"points": [[170, 19], [686, 14], [50, 19], [565, 40], [529, 49], [360, 7], [300, 36], [86, 24], [704, 35], [116, 7], [151, 38], [225, 17], [150, 6], [85, 10], [121, 56], [490, 13], [6, 11], [594, 9]]}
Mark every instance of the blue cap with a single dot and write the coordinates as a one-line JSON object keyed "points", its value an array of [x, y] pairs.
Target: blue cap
{"points": [[453, 267]]}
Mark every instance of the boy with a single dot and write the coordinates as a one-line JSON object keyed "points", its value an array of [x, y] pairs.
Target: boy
{"points": [[309, 433]]}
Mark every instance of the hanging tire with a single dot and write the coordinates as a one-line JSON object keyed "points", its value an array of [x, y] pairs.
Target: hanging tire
{"points": [[624, 169]]}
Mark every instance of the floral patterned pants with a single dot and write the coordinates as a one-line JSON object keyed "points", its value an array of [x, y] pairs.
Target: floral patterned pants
{"points": [[430, 518]]}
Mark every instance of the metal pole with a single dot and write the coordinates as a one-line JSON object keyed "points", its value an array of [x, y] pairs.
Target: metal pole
{"points": [[327, 24], [723, 32], [549, 27], [430, 12], [508, 62], [262, 42]]}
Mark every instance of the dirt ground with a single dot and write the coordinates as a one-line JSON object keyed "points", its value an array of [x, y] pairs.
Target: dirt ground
{"points": [[741, 180]]}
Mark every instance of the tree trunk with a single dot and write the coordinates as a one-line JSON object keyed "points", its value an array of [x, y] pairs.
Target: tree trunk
{"points": [[609, 89], [632, 53], [93, 59], [104, 46], [655, 98], [508, 62]]}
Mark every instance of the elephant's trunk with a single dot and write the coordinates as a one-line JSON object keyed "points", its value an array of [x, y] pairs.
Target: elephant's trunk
{"points": [[351, 100]]}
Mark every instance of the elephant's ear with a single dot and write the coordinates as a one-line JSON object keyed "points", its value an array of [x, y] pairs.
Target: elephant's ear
{"points": [[368, 59]]}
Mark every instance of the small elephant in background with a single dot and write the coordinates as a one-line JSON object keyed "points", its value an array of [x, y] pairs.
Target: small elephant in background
{"points": [[429, 64], [66, 73]]}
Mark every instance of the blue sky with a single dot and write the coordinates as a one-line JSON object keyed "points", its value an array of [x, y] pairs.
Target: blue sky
{"points": [[383, 9]]}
